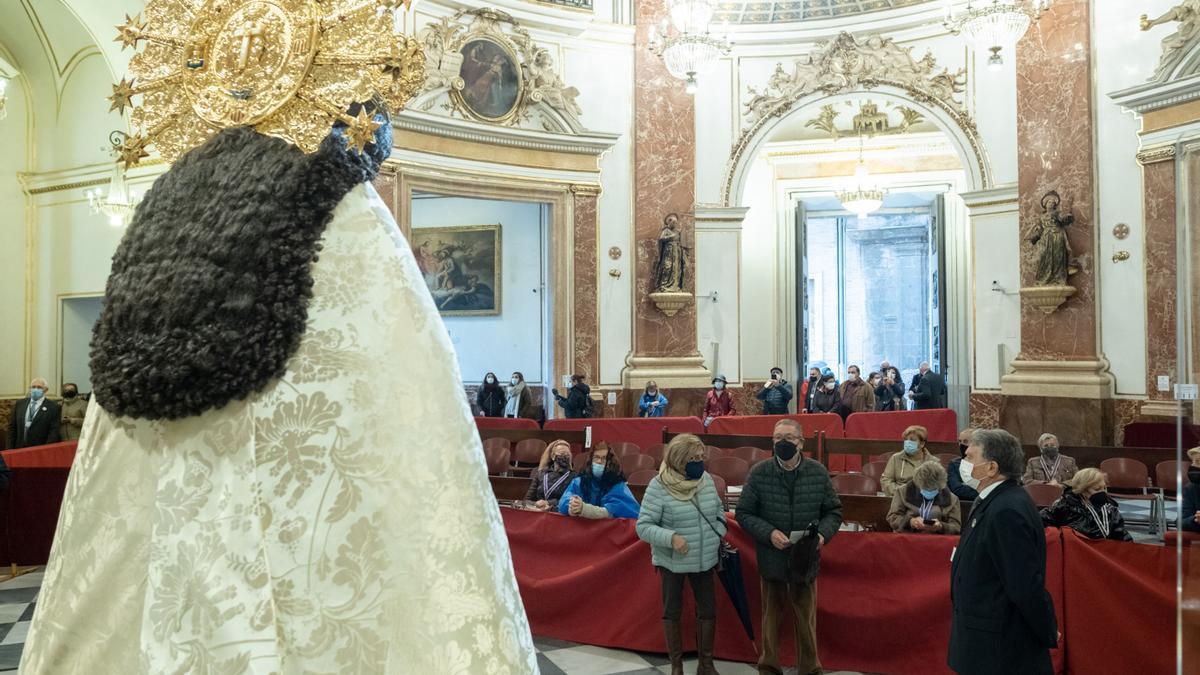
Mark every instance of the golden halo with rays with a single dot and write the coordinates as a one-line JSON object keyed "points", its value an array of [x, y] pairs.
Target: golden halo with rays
{"points": [[288, 68]]}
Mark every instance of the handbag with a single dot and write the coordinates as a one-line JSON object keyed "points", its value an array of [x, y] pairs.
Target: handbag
{"points": [[726, 552]]}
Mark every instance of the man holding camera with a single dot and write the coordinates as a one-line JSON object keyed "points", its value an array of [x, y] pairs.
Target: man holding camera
{"points": [[776, 394]]}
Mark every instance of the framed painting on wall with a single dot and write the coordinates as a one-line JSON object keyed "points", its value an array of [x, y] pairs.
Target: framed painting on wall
{"points": [[461, 267], [491, 78]]}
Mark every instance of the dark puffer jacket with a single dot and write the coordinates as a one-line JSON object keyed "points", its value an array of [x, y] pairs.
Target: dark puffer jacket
{"points": [[1069, 511], [775, 499]]}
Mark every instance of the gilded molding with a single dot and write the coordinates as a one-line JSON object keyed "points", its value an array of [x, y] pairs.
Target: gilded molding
{"points": [[845, 65], [1153, 155]]}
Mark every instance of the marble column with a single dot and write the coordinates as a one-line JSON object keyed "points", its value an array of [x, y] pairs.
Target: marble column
{"points": [[1059, 378], [664, 182], [585, 266]]}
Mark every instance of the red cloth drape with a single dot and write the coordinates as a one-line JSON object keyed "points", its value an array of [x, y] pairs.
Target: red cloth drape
{"points": [[883, 600], [764, 425], [645, 431], [506, 423], [942, 424], [59, 455], [34, 499], [1120, 606]]}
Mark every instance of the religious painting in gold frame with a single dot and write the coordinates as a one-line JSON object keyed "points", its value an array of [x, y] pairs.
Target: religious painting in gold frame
{"points": [[461, 267], [491, 78]]}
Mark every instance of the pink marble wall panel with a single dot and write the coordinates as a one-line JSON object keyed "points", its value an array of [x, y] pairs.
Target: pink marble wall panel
{"points": [[1124, 412], [1193, 192], [587, 326], [664, 180], [1160, 241], [1054, 152], [984, 410]]}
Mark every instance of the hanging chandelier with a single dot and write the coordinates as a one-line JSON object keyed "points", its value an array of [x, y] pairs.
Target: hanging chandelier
{"points": [[692, 49], [119, 201], [994, 24], [863, 197]]}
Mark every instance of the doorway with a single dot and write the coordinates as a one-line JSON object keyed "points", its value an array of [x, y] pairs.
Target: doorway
{"points": [[871, 288]]}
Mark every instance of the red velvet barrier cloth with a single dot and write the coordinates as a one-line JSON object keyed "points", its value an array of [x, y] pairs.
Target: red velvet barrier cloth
{"points": [[31, 514], [942, 424], [57, 455], [764, 425], [645, 431], [1120, 606], [883, 599], [506, 423], [1160, 435]]}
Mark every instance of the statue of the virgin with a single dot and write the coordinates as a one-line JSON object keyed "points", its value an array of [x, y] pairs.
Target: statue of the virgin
{"points": [[672, 260], [1051, 248]]}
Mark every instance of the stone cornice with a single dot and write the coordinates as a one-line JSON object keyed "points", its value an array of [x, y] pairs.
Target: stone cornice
{"points": [[1003, 199], [1158, 154], [1157, 95], [591, 143]]}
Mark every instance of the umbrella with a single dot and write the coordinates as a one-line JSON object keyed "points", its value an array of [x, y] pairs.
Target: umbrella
{"points": [[804, 559], [730, 574]]}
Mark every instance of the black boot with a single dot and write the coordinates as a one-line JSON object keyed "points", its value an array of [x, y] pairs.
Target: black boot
{"points": [[706, 635], [674, 633]]}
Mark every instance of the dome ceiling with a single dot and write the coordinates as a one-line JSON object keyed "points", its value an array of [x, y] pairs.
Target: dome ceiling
{"points": [[783, 11]]}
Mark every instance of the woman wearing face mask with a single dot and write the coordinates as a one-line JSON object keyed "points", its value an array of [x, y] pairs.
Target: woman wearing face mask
{"points": [[962, 486], [1086, 508], [903, 464], [520, 401], [826, 400], [491, 399], [888, 392], [683, 521], [600, 490], [925, 505], [718, 403], [652, 403], [1191, 494], [549, 482]]}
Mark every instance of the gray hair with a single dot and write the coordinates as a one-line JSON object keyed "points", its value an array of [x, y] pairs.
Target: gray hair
{"points": [[34, 382], [929, 476], [1045, 437], [787, 421], [1003, 448]]}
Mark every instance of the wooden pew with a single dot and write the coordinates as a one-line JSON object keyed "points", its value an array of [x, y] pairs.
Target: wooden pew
{"points": [[868, 511], [575, 438], [508, 489]]}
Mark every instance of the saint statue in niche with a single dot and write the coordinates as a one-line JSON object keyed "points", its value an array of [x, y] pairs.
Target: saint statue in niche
{"points": [[1051, 249], [672, 259]]}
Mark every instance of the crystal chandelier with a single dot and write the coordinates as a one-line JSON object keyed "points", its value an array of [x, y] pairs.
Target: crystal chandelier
{"points": [[692, 49], [118, 203], [863, 197], [994, 24]]}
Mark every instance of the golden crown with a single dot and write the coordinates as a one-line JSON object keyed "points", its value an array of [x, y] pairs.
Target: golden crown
{"points": [[289, 68]]}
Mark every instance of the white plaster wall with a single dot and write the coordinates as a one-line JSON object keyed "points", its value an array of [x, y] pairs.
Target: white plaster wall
{"points": [[1123, 57], [717, 320], [997, 322], [515, 339], [716, 130], [761, 329], [79, 315], [15, 134]]}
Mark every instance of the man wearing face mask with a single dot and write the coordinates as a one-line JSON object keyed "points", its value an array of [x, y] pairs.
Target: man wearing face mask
{"points": [[855, 394], [781, 499], [35, 419], [776, 394], [74, 409], [1051, 468], [962, 487], [1003, 619]]}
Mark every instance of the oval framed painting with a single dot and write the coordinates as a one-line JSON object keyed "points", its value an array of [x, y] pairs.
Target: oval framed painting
{"points": [[491, 78]]}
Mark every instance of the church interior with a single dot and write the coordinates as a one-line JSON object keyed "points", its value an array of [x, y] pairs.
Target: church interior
{"points": [[627, 222]]}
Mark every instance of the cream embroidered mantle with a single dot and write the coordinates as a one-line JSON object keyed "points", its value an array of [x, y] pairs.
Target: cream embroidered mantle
{"points": [[340, 521]]}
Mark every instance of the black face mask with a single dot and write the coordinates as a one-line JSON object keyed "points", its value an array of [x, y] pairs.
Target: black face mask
{"points": [[785, 450], [1099, 499], [962, 449], [70, 393], [1193, 474], [562, 463]]}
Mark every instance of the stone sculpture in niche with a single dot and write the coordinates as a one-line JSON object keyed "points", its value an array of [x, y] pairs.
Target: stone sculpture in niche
{"points": [[670, 271], [1187, 13], [1052, 256]]}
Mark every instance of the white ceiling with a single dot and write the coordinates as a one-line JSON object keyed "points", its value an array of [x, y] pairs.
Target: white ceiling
{"points": [[784, 11]]}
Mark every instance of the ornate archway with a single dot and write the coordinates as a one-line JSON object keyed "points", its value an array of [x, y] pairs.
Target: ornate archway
{"points": [[845, 65]]}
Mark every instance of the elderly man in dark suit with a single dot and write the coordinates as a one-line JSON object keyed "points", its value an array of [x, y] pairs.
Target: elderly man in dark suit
{"points": [[35, 419], [929, 392], [1003, 619]]}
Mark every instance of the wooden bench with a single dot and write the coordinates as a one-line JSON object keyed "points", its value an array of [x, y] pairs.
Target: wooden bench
{"points": [[508, 489]]}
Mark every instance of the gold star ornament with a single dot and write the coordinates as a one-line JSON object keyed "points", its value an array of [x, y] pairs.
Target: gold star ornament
{"points": [[288, 68]]}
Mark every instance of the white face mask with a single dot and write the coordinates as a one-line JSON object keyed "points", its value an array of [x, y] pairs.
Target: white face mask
{"points": [[965, 469], [491, 380], [830, 385], [718, 385]]}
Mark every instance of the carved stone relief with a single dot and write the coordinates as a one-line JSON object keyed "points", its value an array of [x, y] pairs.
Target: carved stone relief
{"points": [[1177, 45]]}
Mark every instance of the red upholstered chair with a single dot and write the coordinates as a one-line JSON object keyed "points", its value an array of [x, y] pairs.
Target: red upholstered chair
{"points": [[882, 457], [497, 459], [642, 477], [578, 462], [655, 451], [1044, 495], [854, 463], [712, 452], [497, 443], [732, 469], [946, 457], [1130, 479], [622, 449], [750, 454], [722, 489], [1165, 476], [529, 451], [634, 463], [874, 469], [855, 484]]}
